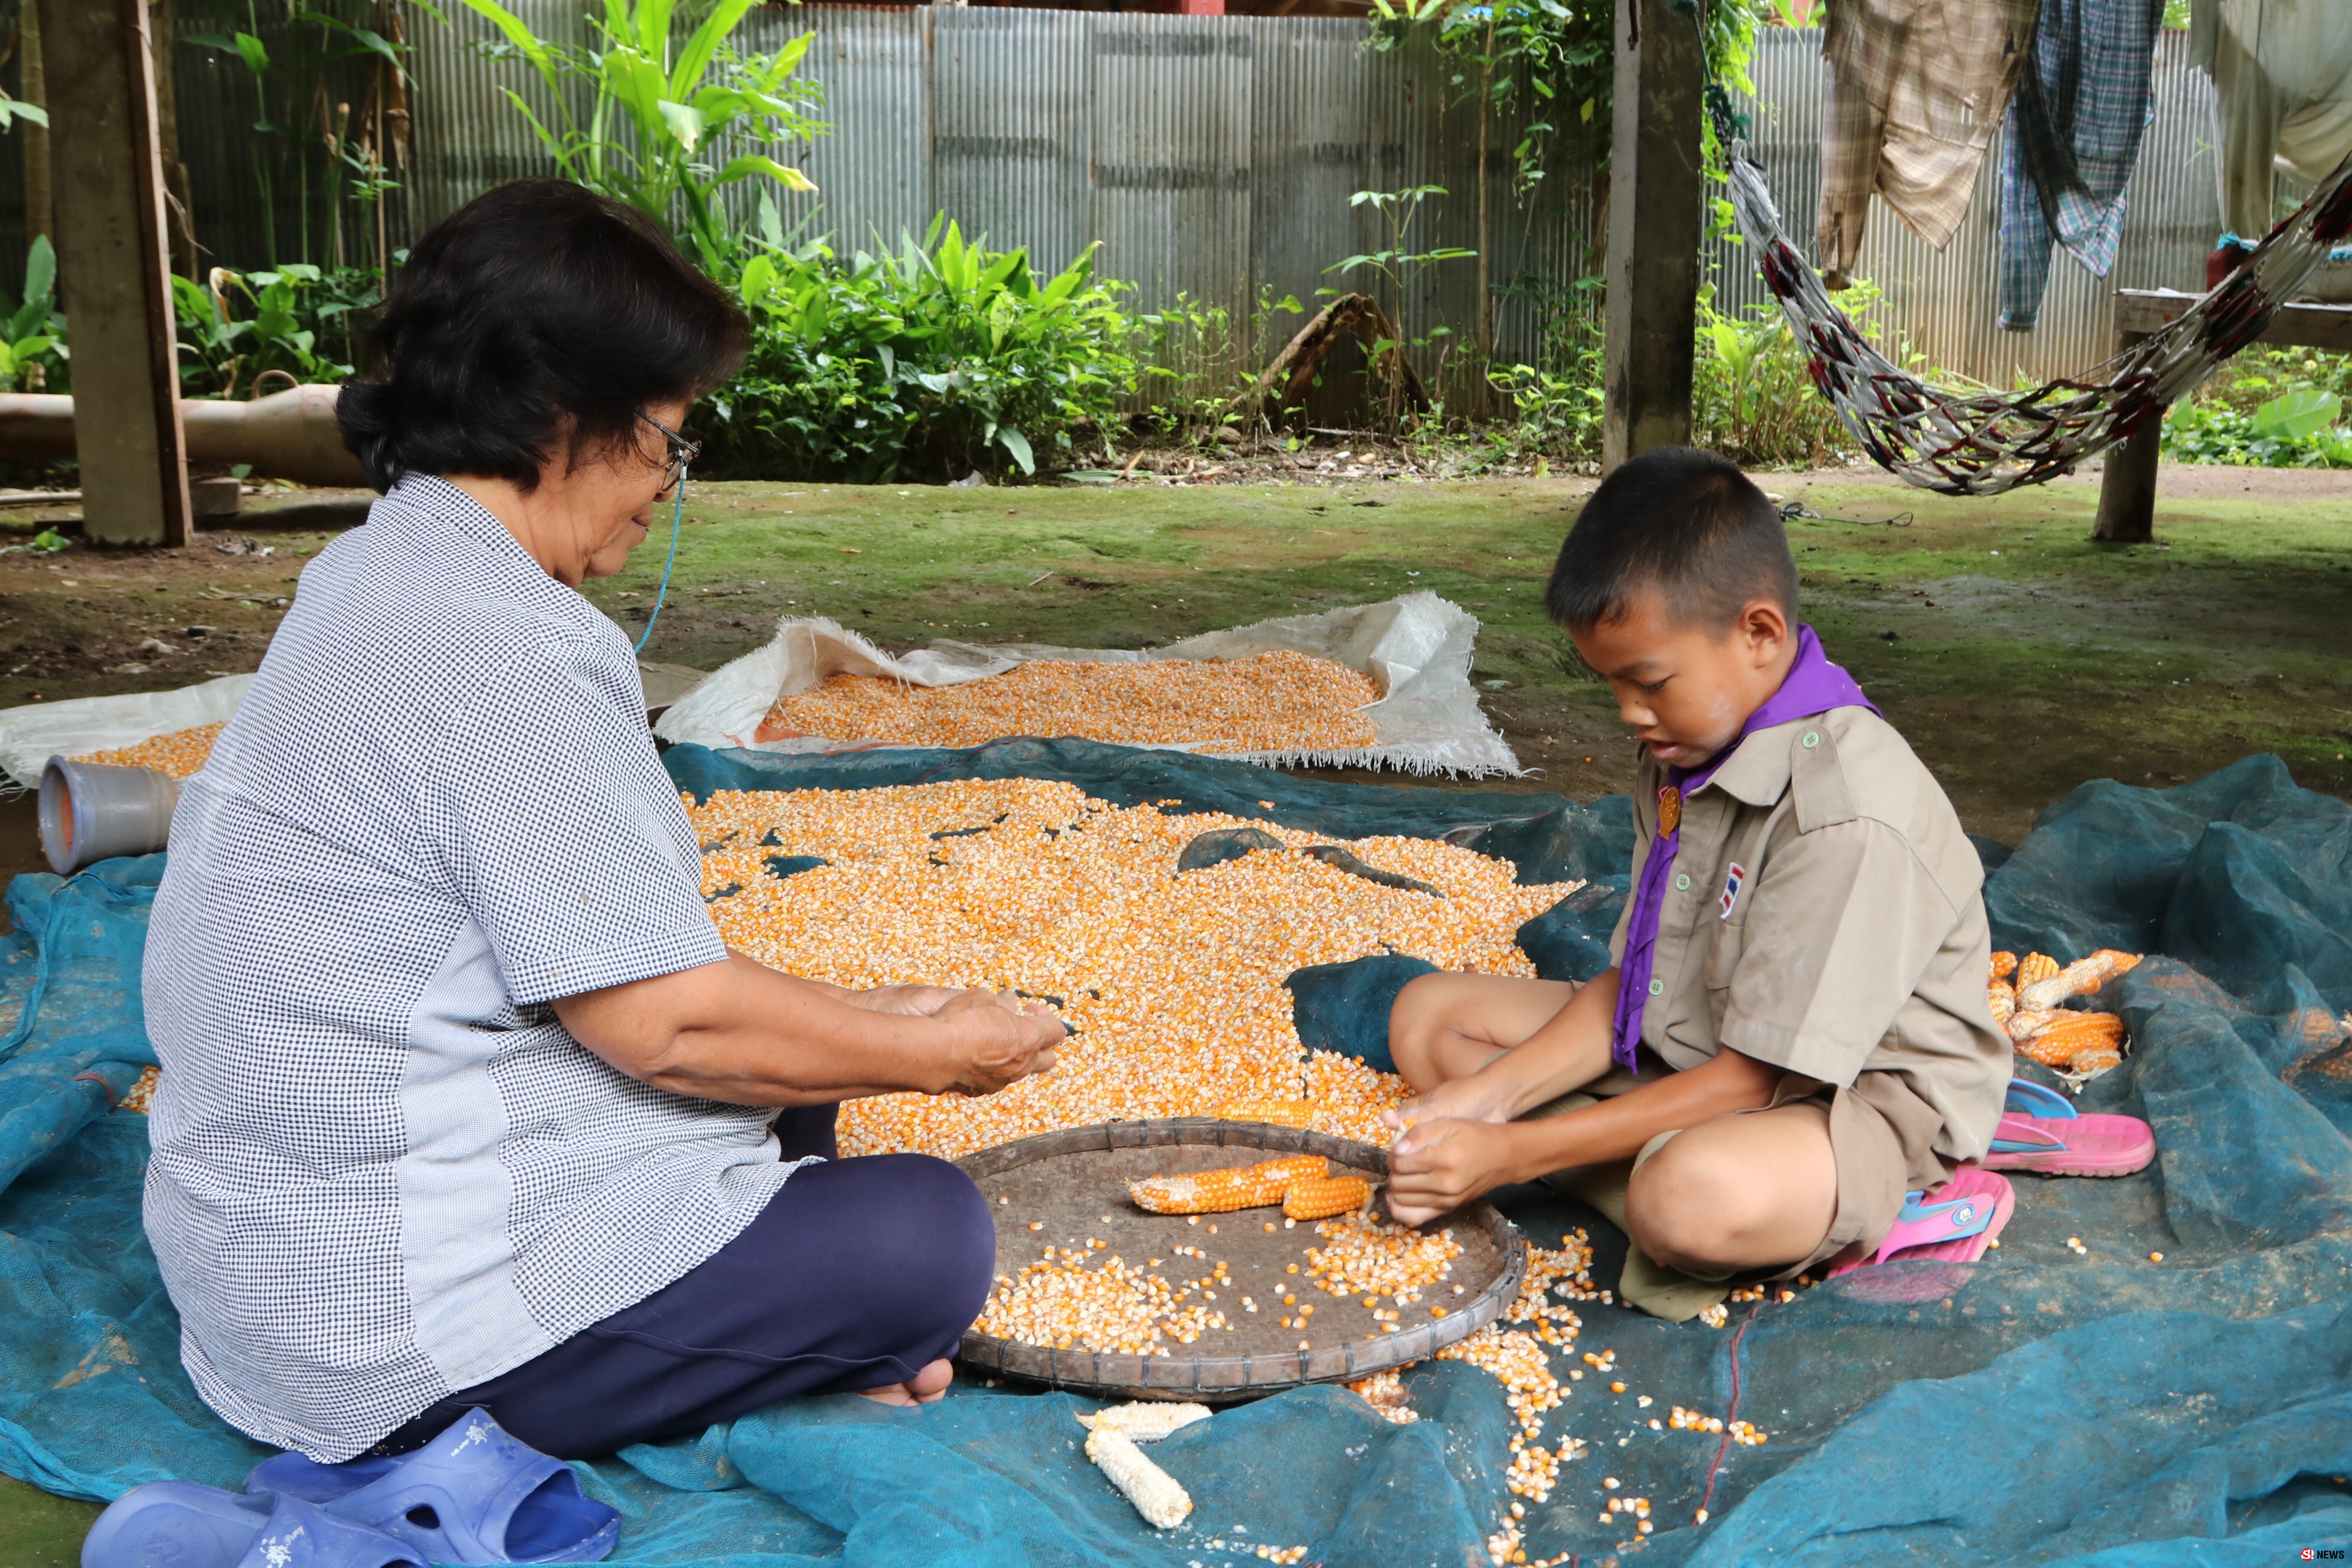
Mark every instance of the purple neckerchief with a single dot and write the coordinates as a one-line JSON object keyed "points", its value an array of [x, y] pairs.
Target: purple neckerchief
{"points": [[1814, 685]]}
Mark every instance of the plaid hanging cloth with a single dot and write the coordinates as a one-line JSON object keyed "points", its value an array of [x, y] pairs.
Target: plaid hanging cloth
{"points": [[2073, 137]]}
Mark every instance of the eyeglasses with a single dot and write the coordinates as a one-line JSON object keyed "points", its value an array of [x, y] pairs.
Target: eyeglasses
{"points": [[681, 453]]}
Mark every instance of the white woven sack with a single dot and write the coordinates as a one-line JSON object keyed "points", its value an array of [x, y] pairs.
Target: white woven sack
{"points": [[1417, 650]]}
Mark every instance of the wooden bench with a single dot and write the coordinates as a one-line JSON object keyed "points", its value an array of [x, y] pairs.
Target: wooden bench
{"points": [[2127, 489]]}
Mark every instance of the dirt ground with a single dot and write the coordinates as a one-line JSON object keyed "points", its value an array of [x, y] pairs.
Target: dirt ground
{"points": [[2019, 658]]}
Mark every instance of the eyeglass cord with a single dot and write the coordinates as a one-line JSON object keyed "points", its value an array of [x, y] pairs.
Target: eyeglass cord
{"points": [[677, 515]]}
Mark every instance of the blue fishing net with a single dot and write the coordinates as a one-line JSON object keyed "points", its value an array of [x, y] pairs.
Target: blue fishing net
{"points": [[2048, 1408]]}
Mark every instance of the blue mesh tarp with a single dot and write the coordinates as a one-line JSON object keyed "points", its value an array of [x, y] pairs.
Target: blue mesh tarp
{"points": [[2047, 1408]]}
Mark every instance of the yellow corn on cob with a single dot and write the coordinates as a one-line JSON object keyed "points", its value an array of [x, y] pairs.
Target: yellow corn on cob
{"points": [[1281, 1112], [2095, 1059], [2066, 1035], [2032, 969], [1219, 1191], [2004, 964], [2003, 997], [1158, 1495], [1325, 1196], [2079, 978]]}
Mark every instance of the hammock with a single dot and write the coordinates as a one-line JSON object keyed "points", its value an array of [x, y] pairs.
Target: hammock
{"points": [[1982, 442]]}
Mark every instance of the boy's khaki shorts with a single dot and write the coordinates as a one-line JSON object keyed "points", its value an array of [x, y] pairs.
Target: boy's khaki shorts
{"points": [[1880, 1134]]}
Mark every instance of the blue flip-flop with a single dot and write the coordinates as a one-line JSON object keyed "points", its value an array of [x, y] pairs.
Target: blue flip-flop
{"points": [[472, 1495], [178, 1524]]}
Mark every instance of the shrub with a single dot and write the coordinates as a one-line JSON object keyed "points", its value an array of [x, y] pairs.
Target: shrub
{"points": [[2268, 407], [930, 362], [290, 324]]}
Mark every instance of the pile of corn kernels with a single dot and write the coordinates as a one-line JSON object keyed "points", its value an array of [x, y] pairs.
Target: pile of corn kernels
{"points": [[1061, 1302], [1173, 982], [1279, 701], [179, 753]]}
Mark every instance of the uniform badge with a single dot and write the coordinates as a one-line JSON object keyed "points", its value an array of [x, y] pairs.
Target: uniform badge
{"points": [[1670, 810], [1733, 881]]}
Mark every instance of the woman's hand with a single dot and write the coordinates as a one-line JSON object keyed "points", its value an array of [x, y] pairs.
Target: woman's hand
{"points": [[1437, 1166], [907, 1001], [997, 1039]]}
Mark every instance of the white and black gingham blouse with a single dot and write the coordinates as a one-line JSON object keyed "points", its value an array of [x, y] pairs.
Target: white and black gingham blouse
{"points": [[381, 1171]]}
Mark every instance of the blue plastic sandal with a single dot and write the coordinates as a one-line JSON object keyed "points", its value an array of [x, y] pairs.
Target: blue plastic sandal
{"points": [[177, 1524], [471, 1495]]}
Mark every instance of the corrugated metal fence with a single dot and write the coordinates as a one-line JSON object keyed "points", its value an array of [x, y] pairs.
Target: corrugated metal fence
{"points": [[1214, 158]]}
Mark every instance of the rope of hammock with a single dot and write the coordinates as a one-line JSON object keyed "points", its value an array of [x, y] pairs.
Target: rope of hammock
{"points": [[1981, 442]]}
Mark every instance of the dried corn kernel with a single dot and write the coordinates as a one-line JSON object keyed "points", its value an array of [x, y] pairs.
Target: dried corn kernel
{"points": [[1279, 1112], [1277, 701], [2032, 969], [179, 753], [2004, 964]]}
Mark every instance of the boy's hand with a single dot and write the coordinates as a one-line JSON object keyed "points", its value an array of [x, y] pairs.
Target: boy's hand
{"points": [[1439, 1165], [1472, 1099]]}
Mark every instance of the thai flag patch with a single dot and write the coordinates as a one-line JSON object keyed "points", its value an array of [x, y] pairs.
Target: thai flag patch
{"points": [[1732, 881]]}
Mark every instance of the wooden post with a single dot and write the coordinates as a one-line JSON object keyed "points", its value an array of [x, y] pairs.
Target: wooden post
{"points": [[34, 80], [111, 253], [2128, 485], [1654, 203]]}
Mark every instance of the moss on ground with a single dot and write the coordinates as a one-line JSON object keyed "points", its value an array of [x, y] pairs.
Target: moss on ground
{"points": [[38, 1531]]}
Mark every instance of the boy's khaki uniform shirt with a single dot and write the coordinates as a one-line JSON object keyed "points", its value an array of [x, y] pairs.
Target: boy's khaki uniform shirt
{"points": [[1826, 916]]}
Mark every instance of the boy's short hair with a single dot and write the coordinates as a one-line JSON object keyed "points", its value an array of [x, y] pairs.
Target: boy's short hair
{"points": [[1685, 522]]}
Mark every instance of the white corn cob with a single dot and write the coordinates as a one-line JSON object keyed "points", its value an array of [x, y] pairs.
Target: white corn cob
{"points": [[1157, 1496], [1146, 1420], [2078, 978]]}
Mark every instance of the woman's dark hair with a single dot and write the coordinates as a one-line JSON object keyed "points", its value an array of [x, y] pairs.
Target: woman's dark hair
{"points": [[537, 312], [1685, 522]]}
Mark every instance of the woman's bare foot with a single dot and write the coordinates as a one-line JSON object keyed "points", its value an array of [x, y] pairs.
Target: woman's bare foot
{"points": [[926, 1388]]}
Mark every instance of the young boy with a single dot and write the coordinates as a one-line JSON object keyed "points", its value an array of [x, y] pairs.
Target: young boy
{"points": [[1796, 1032]]}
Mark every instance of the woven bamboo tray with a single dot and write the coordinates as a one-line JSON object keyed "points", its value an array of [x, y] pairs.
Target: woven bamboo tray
{"points": [[1070, 1180]]}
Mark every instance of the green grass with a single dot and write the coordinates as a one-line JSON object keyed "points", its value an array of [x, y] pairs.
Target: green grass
{"points": [[38, 1531], [2018, 675]]}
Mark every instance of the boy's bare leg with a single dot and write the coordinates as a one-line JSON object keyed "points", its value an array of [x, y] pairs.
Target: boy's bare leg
{"points": [[1445, 1027], [1737, 1194]]}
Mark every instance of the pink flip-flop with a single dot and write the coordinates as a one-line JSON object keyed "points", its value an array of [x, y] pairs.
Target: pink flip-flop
{"points": [[1955, 1222], [2041, 1132]]}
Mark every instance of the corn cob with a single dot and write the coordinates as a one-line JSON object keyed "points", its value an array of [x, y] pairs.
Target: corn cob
{"points": [[2003, 997], [2033, 969], [1280, 1113], [1146, 1420], [2075, 1030], [1325, 1196], [2092, 1059], [2079, 978], [2004, 964], [1220, 1192], [2023, 1025], [1156, 1494]]}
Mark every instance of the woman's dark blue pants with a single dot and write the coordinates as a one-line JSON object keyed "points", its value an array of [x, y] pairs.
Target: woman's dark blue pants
{"points": [[856, 1274]]}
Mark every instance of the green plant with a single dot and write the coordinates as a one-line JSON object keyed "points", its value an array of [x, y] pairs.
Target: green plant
{"points": [[32, 332], [294, 320], [1200, 361], [931, 360], [1752, 396], [305, 134], [2267, 408], [1394, 270], [654, 121]]}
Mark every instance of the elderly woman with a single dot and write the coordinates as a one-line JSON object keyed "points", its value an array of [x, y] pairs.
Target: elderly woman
{"points": [[464, 1102]]}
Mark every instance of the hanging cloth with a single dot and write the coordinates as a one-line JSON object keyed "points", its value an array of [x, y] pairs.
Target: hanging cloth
{"points": [[1911, 93], [2282, 75], [2083, 101]]}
